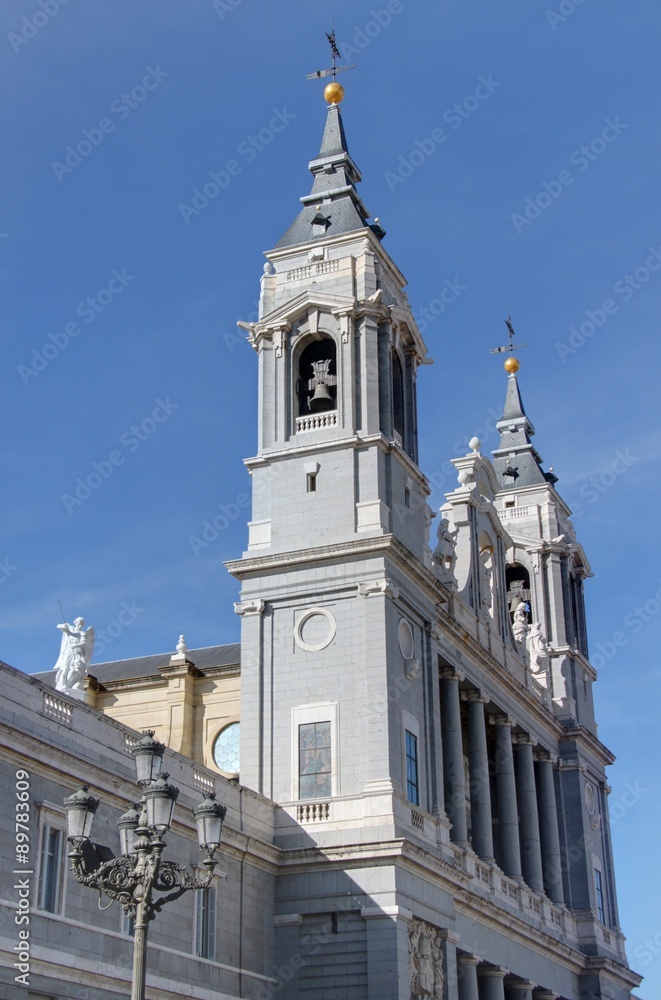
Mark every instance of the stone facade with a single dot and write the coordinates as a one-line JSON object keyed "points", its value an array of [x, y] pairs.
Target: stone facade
{"points": [[421, 775]]}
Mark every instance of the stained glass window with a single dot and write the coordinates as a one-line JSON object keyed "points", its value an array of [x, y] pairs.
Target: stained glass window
{"points": [[314, 756]]}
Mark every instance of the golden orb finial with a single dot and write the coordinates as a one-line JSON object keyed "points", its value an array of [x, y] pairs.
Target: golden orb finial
{"points": [[333, 93], [511, 366]]}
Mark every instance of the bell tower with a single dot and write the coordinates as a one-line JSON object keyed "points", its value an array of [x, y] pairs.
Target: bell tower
{"points": [[338, 354], [332, 614]]}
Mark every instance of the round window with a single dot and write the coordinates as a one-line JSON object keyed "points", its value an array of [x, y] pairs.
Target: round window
{"points": [[226, 748]]}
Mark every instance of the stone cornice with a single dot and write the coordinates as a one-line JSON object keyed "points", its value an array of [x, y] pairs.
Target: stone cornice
{"points": [[355, 441], [588, 739]]}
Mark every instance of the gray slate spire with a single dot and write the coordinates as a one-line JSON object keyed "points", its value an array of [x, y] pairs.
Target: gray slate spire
{"points": [[334, 205], [516, 460]]}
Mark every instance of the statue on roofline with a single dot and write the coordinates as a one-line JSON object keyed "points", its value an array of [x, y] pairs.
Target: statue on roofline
{"points": [[75, 656]]}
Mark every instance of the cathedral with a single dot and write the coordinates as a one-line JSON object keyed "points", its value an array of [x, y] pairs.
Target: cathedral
{"points": [[406, 730]]}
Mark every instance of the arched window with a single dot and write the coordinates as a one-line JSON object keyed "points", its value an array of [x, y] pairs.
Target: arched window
{"points": [[397, 395], [317, 377], [517, 579]]}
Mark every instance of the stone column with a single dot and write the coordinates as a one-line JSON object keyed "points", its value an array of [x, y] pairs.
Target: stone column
{"points": [[548, 828], [508, 818], [491, 982], [453, 757], [467, 977], [480, 792], [521, 990], [531, 853]]}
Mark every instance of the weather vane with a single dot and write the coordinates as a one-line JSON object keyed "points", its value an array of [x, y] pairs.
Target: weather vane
{"points": [[333, 92], [511, 364]]}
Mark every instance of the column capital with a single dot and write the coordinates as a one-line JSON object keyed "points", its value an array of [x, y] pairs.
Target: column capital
{"points": [[464, 959], [544, 995], [545, 756], [451, 674], [525, 985], [447, 935], [255, 607], [474, 694], [524, 740], [492, 971], [502, 719]]}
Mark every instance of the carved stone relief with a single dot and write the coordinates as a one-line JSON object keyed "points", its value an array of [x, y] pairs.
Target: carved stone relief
{"points": [[425, 961]]}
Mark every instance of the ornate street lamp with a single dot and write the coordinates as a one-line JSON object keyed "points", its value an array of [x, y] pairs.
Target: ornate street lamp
{"points": [[140, 871]]}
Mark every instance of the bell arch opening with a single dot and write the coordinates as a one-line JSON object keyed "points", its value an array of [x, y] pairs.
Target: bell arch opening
{"points": [[317, 377]]}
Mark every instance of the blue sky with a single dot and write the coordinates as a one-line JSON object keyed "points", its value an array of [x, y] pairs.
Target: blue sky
{"points": [[538, 195]]}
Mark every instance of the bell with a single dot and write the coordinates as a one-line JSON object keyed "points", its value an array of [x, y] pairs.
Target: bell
{"points": [[321, 399]]}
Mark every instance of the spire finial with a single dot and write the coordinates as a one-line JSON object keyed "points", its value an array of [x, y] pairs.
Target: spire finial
{"points": [[333, 92], [511, 364]]}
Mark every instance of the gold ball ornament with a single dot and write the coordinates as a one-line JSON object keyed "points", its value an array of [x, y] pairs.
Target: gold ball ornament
{"points": [[511, 366], [333, 93]]}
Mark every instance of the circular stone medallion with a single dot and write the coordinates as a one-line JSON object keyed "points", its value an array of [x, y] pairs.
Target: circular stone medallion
{"points": [[315, 629]]}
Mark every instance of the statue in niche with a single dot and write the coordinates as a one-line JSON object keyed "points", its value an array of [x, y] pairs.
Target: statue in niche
{"points": [[75, 656], [538, 647], [425, 962], [445, 553], [520, 626]]}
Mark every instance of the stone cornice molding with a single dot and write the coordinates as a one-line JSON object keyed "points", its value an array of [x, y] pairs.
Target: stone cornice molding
{"points": [[588, 739]]}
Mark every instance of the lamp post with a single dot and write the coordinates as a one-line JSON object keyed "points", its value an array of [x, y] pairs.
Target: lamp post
{"points": [[133, 878]]}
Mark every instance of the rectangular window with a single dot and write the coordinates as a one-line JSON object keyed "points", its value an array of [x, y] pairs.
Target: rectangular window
{"points": [[314, 760], [126, 925], [50, 869], [599, 895], [412, 792], [205, 923], [312, 482]]}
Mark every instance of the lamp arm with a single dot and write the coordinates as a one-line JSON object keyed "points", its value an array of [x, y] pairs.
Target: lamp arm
{"points": [[180, 880], [116, 878]]}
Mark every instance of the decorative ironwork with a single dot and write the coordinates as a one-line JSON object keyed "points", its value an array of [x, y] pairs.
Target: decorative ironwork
{"points": [[132, 880]]}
